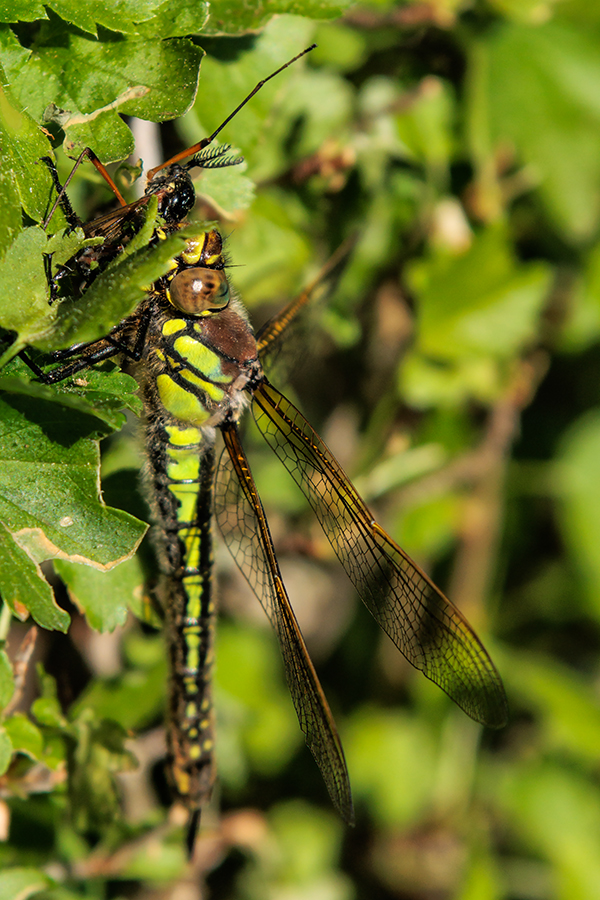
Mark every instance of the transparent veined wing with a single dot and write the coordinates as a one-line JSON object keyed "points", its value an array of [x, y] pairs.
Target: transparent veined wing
{"points": [[425, 626], [242, 521]]}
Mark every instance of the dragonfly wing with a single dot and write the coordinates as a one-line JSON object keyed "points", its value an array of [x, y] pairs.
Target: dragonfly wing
{"points": [[270, 335], [111, 225], [242, 521], [425, 626]]}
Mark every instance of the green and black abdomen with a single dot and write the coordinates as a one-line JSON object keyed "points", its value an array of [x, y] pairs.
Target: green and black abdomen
{"points": [[181, 468], [195, 368]]}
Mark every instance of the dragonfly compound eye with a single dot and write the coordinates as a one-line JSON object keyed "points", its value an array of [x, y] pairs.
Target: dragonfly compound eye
{"points": [[199, 291]]}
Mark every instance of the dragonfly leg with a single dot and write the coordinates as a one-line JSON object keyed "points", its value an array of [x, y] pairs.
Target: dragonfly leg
{"points": [[62, 200], [106, 351], [112, 345]]}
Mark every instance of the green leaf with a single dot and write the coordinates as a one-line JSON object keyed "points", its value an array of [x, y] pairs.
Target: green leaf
{"points": [[124, 16], [475, 310], [558, 813], [19, 883], [532, 11], [258, 128], [577, 483], [12, 122], [565, 703], [339, 46], [25, 736], [47, 712], [145, 77], [270, 254], [22, 11], [112, 296], [543, 94], [309, 844], [430, 528], [25, 309], [478, 303], [582, 327], [23, 144], [6, 750], [148, 17], [102, 394], [10, 201], [227, 189], [104, 597], [482, 880], [250, 677], [23, 586], [401, 744], [425, 382], [46, 708], [137, 697], [425, 126], [175, 18], [80, 14], [49, 489], [99, 755], [7, 687], [232, 17]]}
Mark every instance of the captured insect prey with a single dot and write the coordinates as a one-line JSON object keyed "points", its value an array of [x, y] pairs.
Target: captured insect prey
{"points": [[199, 366]]}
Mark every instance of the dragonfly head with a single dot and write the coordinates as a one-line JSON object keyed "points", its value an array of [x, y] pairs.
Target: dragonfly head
{"points": [[198, 285], [199, 292]]}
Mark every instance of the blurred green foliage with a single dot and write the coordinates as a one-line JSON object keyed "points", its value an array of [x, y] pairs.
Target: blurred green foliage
{"points": [[455, 371]]}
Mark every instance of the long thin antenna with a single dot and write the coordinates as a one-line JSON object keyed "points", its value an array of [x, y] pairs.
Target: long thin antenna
{"points": [[195, 148]]}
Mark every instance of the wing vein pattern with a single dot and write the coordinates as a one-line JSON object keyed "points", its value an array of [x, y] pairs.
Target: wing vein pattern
{"points": [[242, 521], [425, 626]]}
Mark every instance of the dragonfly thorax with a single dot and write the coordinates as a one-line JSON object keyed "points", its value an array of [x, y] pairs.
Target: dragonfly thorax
{"points": [[201, 351]]}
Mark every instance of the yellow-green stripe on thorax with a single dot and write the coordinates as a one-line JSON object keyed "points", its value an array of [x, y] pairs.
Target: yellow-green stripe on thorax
{"points": [[190, 379]]}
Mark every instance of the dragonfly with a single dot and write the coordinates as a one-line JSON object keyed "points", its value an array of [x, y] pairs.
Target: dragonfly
{"points": [[200, 367]]}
